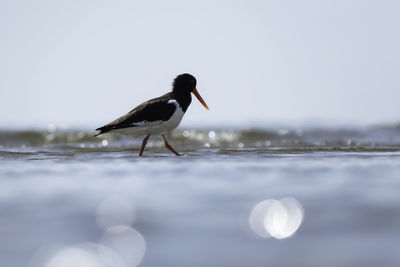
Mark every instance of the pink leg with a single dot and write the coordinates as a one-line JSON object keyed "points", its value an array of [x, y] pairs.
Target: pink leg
{"points": [[144, 144], [169, 146]]}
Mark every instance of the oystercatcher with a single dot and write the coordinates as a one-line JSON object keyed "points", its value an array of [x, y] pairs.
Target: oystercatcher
{"points": [[159, 115]]}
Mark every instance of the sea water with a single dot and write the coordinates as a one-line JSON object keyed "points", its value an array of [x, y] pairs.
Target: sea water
{"points": [[307, 196]]}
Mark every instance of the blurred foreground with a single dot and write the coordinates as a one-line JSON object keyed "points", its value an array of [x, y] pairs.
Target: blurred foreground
{"points": [[277, 197]]}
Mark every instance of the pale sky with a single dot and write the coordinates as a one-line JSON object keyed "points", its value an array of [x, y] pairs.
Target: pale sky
{"points": [[85, 63]]}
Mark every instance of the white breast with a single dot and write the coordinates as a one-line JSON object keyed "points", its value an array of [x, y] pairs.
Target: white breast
{"points": [[176, 118]]}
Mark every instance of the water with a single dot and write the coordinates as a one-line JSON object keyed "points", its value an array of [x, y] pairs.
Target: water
{"points": [[70, 199]]}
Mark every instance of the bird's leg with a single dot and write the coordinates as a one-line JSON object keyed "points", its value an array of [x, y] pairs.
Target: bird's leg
{"points": [[144, 144], [169, 146]]}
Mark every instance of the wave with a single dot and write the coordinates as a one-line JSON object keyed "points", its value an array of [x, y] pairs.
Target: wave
{"points": [[368, 137]]}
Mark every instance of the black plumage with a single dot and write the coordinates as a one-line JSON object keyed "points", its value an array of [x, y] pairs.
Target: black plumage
{"points": [[156, 109]]}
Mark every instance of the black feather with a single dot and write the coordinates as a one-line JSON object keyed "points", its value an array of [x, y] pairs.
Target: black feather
{"points": [[153, 110]]}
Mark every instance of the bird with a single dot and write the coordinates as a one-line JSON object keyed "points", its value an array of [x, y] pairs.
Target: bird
{"points": [[157, 116]]}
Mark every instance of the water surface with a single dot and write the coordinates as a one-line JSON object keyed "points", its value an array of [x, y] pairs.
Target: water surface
{"points": [[66, 195]]}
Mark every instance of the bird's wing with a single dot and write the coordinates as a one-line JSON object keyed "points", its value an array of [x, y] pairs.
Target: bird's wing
{"points": [[157, 109]]}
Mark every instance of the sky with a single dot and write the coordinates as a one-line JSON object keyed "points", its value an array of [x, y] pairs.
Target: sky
{"points": [[84, 63]]}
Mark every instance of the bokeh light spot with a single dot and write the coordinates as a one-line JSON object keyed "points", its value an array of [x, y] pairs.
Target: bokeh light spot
{"points": [[186, 133], [257, 215], [211, 134], [104, 143], [126, 242], [75, 256], [277, 218]]}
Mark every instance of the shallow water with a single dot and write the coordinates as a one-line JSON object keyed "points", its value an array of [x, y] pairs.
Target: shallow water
{"points": [[69, 199]]}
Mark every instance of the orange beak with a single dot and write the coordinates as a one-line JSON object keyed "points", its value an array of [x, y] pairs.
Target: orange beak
{"points": [[199, 98]]}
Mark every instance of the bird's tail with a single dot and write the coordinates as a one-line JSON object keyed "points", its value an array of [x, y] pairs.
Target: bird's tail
{"points": [[103, 129]]}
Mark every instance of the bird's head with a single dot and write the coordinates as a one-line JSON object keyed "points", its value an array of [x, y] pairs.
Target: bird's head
{"points": [[186, 84]]}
